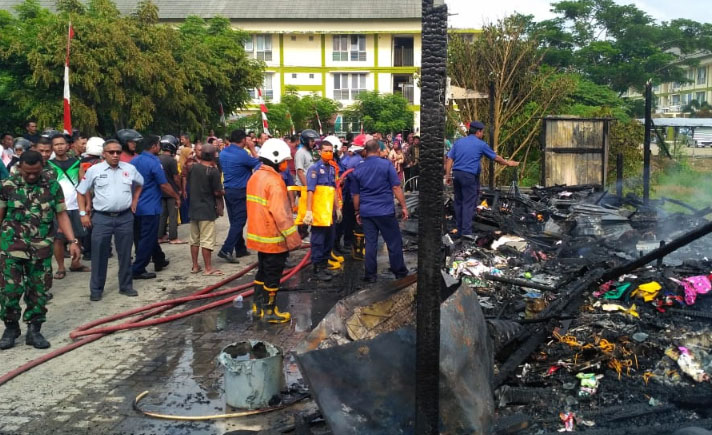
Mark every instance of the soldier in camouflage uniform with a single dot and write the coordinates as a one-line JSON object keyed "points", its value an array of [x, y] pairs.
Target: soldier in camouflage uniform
{"points": [[29, 201]]}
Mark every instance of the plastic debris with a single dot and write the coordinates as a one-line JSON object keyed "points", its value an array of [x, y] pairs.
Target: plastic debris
{"points": [[648, 291], [691, 366], [589, 384], [515, 242], [654, 402], [632, 311], [694, 285], [640, 337], [568, 419]]}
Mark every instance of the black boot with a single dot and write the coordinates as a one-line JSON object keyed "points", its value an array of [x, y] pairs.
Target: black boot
{"points": [[258, 300], [320, 273], [34, 337], [12, 331]]}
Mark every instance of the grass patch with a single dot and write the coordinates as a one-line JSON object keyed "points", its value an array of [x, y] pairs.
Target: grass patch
{"points": [[690, 182]]}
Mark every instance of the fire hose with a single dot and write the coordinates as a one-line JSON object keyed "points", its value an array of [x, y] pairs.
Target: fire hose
{"points": [[156, 308]]}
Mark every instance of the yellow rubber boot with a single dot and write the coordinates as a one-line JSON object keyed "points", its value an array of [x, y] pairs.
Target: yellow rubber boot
{"points": [[272, 313], [334, 265], [258, 300], [338, 258]]}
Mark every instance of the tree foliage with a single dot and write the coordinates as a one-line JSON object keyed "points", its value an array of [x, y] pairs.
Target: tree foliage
{"points": [[620, 46], [126, 71], [507, 54], [303, 111], [385, 113]]}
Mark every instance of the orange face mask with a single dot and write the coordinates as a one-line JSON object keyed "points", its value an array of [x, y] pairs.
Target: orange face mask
{"points": [[327, 156], [283, 166]]}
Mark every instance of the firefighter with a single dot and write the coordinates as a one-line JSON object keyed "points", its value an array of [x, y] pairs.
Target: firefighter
{"points": [[270, 228]]}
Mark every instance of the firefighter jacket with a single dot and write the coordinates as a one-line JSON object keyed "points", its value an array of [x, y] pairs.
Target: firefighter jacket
{"points": [[270, 226]]}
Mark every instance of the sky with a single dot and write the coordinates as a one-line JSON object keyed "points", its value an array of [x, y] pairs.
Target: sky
{"points": [[471, 14]]}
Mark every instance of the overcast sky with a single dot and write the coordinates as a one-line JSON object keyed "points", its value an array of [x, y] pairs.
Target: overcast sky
{"points": [[472, 14]]}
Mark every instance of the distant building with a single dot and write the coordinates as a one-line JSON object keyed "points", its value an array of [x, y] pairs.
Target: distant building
{"points": [[334, 48], [671, 98]]}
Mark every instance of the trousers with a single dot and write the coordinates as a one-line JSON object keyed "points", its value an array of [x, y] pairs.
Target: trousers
{"points": [[322, 241], [236, 204], [169, 218], [103, 227], [348, 223], [467, 191], [387, 226], [270, 268], [29, 277], [147, 247]]}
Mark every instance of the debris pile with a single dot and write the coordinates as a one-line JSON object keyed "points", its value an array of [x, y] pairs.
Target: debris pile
{"points": [[594, 328]]}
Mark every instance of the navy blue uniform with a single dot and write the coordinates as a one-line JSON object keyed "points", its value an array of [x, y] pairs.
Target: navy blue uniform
{"points": [[322, 238], [237, 165], [148, 213], [466, 154], [373, 180]]}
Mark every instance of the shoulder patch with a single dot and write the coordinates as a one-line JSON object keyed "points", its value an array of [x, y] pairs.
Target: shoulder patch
{"points": [[313, 174]]}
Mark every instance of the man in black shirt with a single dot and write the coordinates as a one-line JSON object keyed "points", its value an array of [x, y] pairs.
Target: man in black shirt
{"points": [[206, 204], [31, 135], [169, 212]]}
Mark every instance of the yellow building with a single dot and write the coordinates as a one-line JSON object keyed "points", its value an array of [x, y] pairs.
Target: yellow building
{"points": [[334, 48], [671, 98]]}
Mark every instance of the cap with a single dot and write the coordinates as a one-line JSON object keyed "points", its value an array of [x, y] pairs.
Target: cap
{"points": [[355, 148], [361, 139], [477, 124]]}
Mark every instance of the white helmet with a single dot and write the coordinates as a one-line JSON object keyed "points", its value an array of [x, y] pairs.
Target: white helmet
{"points": [[333, 140], [275, 150], [95, 146]]}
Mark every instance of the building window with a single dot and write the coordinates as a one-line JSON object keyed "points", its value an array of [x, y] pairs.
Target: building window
{"points": [[701, 97], [341, 48], [311, 37], [675, 100], [311, 76], [686, 99], [702, 75], [294, 76], [294, 38], [358, 48], [349, 47], [259, 47], [348, 86], [267, 89]]}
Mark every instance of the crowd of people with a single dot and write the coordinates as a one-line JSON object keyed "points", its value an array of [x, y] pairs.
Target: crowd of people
{"points": [[66, 195]]}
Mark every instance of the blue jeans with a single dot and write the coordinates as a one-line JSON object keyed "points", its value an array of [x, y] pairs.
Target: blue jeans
{"points": [[103, 227], [467, 191], [388, 227], [147, 246], [236, 204]]}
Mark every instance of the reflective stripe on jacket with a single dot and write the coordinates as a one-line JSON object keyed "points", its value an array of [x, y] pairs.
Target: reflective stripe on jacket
{"points": [[270, 225]]}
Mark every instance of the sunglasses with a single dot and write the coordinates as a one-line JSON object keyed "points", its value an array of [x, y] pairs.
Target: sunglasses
{"points": [[113, 153]]}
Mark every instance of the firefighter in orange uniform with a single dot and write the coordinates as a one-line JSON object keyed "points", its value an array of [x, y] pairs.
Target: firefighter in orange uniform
{"points": [[270, 228]]}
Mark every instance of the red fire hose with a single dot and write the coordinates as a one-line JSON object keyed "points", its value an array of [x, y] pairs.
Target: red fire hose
{"points": [[156, 308]]}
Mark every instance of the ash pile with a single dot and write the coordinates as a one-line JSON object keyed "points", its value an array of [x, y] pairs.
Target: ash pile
{"points": [[599, 309]]}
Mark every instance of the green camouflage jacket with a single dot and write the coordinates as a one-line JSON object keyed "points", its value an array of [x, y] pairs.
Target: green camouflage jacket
{"points": [[27, 230]]}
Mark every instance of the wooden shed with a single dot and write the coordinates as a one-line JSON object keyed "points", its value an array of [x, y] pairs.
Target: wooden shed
{"points": [[574, 150]]}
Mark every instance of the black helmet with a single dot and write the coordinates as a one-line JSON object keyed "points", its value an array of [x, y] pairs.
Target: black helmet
{"points": [[50, 133], [126, 135], [306, 135], [169, 143], [24, 143]]}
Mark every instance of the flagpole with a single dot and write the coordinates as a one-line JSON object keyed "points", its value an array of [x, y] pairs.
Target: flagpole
{"points": [[67, 100]]}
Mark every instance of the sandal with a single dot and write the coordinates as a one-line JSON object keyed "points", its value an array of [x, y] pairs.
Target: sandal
{"points": [[198, 270], [177, 242], [81, 268], [60, 274]]}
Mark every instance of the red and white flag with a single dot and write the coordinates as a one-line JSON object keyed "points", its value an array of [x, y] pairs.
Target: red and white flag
{"points": [[263, 109], [67, 106], [319, 121]]}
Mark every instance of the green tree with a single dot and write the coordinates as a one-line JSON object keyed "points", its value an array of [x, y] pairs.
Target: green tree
{"points": [[384, 113], [508, 54], [126, 71], [303, 110], [620, 46]]}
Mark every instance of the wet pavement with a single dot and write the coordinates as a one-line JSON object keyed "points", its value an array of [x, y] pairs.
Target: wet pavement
{"points": [[177, 364]]}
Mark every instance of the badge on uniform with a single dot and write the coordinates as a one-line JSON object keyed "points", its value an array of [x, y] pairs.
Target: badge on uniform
{"points": [[126, 173], [321, 171], [313, 174]]}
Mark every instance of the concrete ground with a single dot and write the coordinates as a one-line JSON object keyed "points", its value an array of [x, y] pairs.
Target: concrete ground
{"points": [[91, 389]]}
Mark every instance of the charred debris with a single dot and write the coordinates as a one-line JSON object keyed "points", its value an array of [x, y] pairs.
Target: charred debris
{"points": [[598, 307]]}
